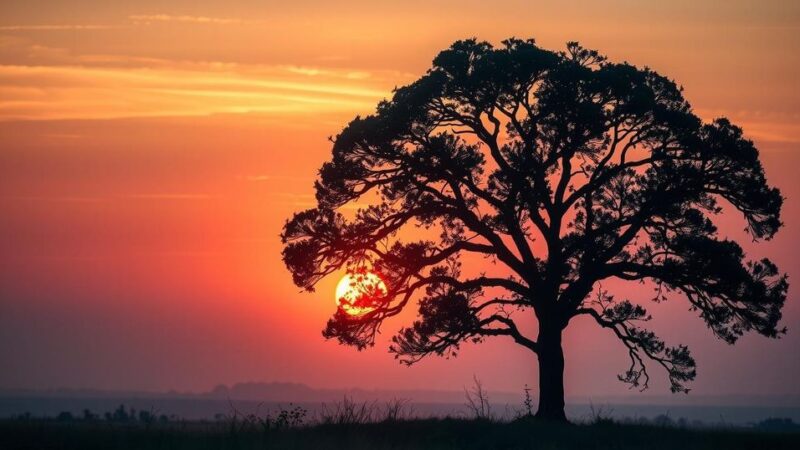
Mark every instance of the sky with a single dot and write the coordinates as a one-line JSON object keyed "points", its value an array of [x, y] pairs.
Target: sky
{"points": [[151, 151]]}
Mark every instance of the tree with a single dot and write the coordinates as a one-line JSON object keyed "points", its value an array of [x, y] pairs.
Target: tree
{"points": [[563, 170]]}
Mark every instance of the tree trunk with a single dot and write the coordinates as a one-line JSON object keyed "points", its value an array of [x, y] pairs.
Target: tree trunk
{"points": [[551, 375]]}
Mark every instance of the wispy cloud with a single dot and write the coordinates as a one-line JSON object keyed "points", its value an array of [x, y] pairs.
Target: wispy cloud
{"points": [[135, 19], [146, 18], [108, 198], [171, 196], [56, 198], [767, 126], [163, 88], [257, 178], [315, 71], [56, 27], [310, 71]]}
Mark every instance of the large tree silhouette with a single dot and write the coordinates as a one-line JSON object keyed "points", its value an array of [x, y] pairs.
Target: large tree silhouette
{"points": [[562, 169]]}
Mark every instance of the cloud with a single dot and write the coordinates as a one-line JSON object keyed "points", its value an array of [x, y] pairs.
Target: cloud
{"points": [[137, 19], [164, 88], [171, 196], [147, 18], [358, 75], [69, 27], [315, 71], [99, 199], [310, 71], [64, 199], [24, 50], [257, 178], [766, 126]]}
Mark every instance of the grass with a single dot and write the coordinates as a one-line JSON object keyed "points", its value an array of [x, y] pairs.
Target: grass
{"points": [[387, 434]]}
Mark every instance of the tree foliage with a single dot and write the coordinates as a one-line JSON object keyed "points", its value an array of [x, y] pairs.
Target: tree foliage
{"points": [[562, 168]]}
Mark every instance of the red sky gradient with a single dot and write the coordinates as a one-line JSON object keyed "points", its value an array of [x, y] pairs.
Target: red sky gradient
{"points": [[150, 153]]}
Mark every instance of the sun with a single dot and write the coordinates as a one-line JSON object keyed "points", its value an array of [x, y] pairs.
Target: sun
{"points": [[356, 291]]}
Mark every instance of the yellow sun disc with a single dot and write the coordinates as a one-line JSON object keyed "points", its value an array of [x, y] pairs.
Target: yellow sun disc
{"points": [[357, 289]]}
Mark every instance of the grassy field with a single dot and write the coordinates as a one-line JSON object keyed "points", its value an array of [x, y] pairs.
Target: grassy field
{"points": [[400, 434]]}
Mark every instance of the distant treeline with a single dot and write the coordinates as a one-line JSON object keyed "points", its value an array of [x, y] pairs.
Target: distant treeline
{"points": [[122, 414]]}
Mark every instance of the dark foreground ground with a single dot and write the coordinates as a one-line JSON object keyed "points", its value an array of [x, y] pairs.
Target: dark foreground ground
{"points": [[402, 434]]}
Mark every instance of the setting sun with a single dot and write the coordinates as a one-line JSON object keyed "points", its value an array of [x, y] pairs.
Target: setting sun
{"points": [[356, 290]]}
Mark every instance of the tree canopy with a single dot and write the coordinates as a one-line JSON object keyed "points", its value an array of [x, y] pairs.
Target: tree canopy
{"points": [[565, 170]]}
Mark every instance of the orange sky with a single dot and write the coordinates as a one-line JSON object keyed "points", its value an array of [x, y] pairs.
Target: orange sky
{"points": [[150, 152]]}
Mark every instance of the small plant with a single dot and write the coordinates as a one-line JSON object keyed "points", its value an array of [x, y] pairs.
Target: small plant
{"points": [[238, 422], [396, 409], [478, 401], [289, 418], [528, 403], [347, 412], [148, 418], [601, 415]]}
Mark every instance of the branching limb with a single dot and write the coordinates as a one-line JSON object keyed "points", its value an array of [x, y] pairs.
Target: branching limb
{"points": [[619, 318]]}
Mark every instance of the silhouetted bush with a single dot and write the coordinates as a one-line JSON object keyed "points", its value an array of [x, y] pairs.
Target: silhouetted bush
{"points": [[89, 415], [778, 424]]}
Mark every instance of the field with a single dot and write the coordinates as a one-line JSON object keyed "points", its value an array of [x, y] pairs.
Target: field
{"points": [[389, 434]]}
